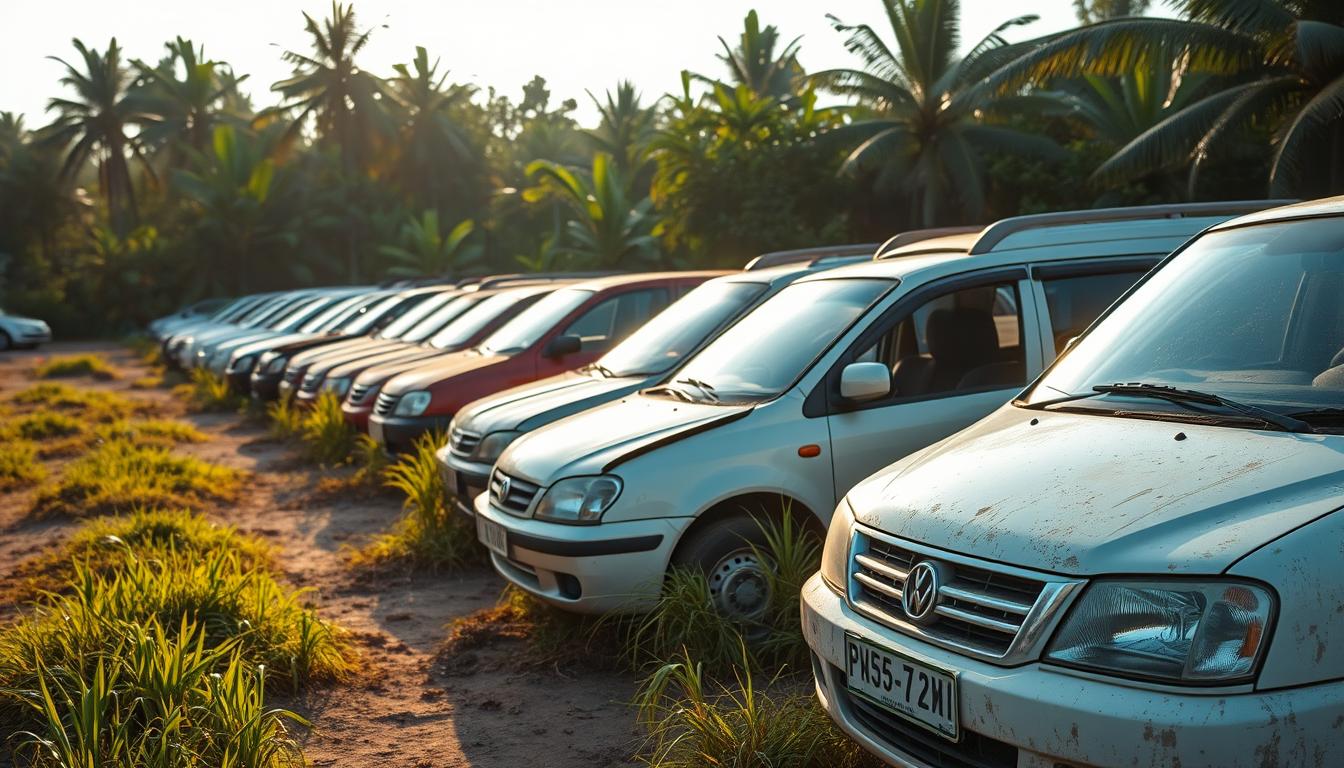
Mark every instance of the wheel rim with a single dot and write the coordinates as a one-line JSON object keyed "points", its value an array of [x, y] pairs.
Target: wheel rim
{"points": [[739, 587]]}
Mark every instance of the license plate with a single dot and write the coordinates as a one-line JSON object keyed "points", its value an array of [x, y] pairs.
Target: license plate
{"points": [[376, 431], [449, 477], [905, 687], [493, 536]]}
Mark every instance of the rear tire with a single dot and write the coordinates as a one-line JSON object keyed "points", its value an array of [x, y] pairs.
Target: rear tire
{"points": [[723, 552]]}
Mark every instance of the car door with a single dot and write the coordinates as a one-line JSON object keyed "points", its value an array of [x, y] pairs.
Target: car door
{"points": [[1073, 294], [601, 325], [955, 351]]}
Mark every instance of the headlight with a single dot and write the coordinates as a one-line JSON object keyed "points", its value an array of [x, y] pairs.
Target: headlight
{"points": [[338, 387], [412, 404], [835, 554], [1192, 632], [277, 365], [579, 500], [494, 444], [243, 363]]}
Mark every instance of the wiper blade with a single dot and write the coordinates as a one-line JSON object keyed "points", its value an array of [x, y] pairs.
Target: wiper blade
{"points": [[1177, 395], [1323, 414], [602, 369], [700, 385], [670, 391]]}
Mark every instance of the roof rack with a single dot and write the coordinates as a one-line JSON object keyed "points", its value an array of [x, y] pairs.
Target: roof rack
{"points": [[495, 281], [808, 255], [903, 239], [997, 232]]}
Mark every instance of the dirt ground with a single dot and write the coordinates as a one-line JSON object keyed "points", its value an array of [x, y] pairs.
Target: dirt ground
{"points": [[409, 707]]}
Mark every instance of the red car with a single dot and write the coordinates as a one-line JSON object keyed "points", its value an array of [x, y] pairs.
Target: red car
{"points": [[570, 328]]}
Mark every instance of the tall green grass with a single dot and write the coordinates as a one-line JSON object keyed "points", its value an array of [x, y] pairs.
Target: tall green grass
{"points": [[158, 649], [551, 637], [684, 619], [119, 476], [19, 465], [87, 404], [69, 366], [430, 533], [692, 722], [327, 437], [209, 393]]}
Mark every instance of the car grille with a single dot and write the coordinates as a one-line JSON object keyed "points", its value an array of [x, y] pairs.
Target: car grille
{"points": [[385, 404], [519, 498], [971, 751], [311, 382], [291, 375], [360, 393], [464, 443], [978, 609]]}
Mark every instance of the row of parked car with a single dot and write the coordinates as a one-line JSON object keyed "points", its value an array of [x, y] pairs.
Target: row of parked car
{"points": [[1111, 529]]}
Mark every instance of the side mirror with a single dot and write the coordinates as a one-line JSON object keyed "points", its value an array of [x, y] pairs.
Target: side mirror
{"points": [[560, 346], [865, 381]]}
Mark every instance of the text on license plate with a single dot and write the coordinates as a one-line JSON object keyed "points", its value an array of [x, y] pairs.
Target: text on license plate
{"points": [[914, 691], [493, 536]]}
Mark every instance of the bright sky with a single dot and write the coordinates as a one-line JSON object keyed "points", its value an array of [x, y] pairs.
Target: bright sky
{"points": [[575, 45]]}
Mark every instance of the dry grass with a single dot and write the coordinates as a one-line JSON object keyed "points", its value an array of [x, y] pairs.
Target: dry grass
{"points": [[550, 637], [71, 366], [19, 466]]}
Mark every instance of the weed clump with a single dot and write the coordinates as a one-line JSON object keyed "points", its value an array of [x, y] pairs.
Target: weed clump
{"points": [[328, 438], [551, 636], [209, 393], [19, 465], [86, 404], [70, 366]]}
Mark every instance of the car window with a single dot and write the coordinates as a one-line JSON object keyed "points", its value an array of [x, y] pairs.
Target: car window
{"points": [[665, 340], [613, 319], [960, 341], [416, 314], [532, 323], [1074, 302], [441, 317], [471, 322]]}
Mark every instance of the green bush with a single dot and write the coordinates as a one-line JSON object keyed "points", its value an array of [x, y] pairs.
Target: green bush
{"points": [[210, 393], [327, 437], [88, 404], [19, 465]]}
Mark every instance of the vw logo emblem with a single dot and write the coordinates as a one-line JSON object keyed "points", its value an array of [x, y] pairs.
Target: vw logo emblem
{"points": [[920, 593], [504, 482]]}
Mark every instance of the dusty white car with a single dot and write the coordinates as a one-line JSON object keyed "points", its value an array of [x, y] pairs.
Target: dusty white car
{"points": [[22, 332], [834, 377], [1137, 561]]}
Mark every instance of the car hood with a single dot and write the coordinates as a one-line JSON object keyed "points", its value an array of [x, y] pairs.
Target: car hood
{"points": [[268, 344], [427, 373], [230, 343], [404, 358], [1088, 494], [344, 347], [590, 441], [537, 404]]}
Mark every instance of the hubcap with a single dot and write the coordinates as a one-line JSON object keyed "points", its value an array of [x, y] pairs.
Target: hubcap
{"points": [[739, 587]]}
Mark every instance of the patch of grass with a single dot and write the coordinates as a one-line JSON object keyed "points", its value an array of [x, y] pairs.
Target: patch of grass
{"points": [[551, 636], [152, 432], [153, 381], [327, 437], [69, 366], [693, 722], [19, 465], [684, 619], [284, 420], [430, 533], [209, 393], [163, 653], [88, 404], [119, 476], [44, 424]]}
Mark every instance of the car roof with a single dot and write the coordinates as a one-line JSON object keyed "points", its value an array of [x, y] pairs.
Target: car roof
{"points": [[650, 278], [1326, 206], [805, 255]]}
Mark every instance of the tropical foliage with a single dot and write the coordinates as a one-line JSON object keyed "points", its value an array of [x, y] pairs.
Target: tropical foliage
{"points": [[152, 182]]}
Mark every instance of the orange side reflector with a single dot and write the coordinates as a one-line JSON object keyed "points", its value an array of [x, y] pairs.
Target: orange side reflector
{"points": [[809, 451]]}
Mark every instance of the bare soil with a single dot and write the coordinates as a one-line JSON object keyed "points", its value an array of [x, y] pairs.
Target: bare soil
{"points": [[410, 705]]}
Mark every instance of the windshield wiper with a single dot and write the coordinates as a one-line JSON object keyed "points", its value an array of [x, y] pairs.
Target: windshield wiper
{"points": [[680, 395], [1185, 396], [602, 369], [1331, 415], [700, 385]]}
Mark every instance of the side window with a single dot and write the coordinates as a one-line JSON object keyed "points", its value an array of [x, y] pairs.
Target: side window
{"points": [[1074, 302], [611, 320], [957, 342]]}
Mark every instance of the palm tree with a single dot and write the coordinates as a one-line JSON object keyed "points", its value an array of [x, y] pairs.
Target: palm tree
{"points": [[927, 130], [1090, 11], [434, 154], [92, 125], [754, 63], [330, 89], [426, 251], [608, 229], [1285, 69], [181, 111], [624, 130], [1118, 109]]}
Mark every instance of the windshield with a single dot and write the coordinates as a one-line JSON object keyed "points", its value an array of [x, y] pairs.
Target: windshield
{"points": [[665, 340], [1252, 314], [269, 309], [300, 313], [333, 314], [762, 355], [363, 319], [441, 317], [470, 323], [530, 325], [407, 321]]}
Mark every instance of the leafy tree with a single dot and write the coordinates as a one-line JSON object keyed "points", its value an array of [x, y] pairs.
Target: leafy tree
{"points": [[753, 62], [609, 228], [624, 129], [92, 126], [425, 251], [181, 110], [926, 129], [1285, 61]]}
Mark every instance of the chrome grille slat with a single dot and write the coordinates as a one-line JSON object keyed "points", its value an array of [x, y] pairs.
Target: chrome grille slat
{"points": [[983, 609], [385, 404], [520, 496], [310, 382], [463, 443], [358, 392]]}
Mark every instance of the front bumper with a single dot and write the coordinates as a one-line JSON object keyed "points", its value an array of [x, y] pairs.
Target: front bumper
{"points": [[27, 338], [606, 568], [397, 433], [463, 479], [240, 381], [1040, 716], [265, 386]]}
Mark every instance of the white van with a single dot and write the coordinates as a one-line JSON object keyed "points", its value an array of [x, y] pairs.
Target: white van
{"points": [[1137, 561], [834, 377]]}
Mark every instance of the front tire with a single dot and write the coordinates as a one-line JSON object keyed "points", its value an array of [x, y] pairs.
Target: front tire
{"points": [[726, 551]]}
